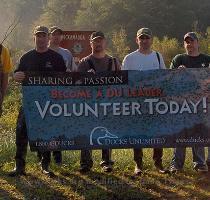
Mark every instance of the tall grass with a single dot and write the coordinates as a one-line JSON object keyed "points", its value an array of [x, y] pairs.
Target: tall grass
{"points": [[69, 184]]}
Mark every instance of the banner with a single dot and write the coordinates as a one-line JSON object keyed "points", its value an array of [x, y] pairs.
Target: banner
{"points": [[154, 108]]}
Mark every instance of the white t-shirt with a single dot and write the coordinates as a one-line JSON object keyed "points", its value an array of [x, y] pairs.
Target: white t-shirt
{"points": [[68, 59], [142, 62]]}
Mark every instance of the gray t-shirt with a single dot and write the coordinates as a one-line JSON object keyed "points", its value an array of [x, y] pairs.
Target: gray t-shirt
{"points": [[142, 62], [68, 58], [106, 63]]}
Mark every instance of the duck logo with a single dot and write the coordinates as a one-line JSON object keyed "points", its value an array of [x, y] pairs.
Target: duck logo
{"points": [[99, 135]]}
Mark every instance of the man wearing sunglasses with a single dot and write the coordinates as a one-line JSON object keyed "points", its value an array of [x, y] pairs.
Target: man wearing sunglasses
{"points": [[144, 58]]}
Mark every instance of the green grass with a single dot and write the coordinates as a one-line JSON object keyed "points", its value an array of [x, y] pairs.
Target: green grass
{"points": [[69, 184]]}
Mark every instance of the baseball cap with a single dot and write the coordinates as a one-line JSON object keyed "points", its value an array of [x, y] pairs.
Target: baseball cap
{"points": [[191, 35], [97, 34], [41, 29], [144, 31], [55, 28]]}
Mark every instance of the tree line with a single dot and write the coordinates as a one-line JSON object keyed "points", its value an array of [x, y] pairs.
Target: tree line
{"points": [[118, 19]]}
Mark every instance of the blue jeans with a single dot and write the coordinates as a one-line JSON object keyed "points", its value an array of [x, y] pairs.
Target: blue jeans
{"points": [[208, 158], [86, 158], [179, 157]]}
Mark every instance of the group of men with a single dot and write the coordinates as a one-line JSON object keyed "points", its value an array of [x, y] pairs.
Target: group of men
{"points": [[49, 56]]}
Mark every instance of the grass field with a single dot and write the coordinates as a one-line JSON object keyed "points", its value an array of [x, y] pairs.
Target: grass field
{"points": [[70, 184]]}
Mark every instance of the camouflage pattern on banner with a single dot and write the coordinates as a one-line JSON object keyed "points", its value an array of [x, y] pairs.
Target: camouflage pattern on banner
{"points": [[155, 108]]}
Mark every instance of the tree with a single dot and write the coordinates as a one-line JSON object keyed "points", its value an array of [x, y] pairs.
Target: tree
{"points": [[120, 46], [27, 11], [59, 12], [167, 47]]}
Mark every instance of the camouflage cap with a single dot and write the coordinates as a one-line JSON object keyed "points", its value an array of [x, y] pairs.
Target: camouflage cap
{"points": [[55, 28], [191, 35], [41, 29], [97, 34], [144, 31]]}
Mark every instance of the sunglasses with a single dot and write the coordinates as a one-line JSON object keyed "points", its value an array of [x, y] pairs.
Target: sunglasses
{"points": [[188, 40], [144, 37]]}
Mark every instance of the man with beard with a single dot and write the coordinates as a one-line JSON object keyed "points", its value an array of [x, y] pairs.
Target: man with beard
{"points": [[97, 61]]}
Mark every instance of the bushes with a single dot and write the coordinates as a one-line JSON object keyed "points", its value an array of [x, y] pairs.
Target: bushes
{"points": [[120, 46], [204, 41], [168, 48]]}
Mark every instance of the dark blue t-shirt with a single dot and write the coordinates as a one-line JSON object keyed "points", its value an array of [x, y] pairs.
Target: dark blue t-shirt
{"points": [[48, 61]]}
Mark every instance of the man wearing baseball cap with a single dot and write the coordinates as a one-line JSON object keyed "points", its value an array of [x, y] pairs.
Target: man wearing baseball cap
{"points": [[144, 58], [56, 36], [192, 58], [97, 61], [39, 59]]}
